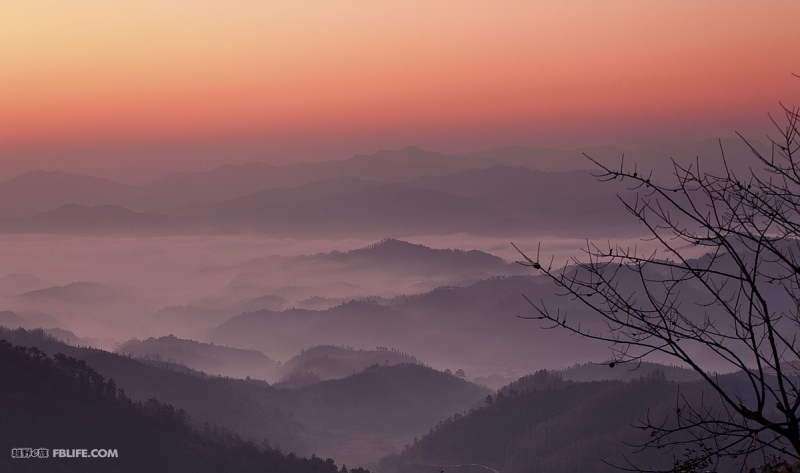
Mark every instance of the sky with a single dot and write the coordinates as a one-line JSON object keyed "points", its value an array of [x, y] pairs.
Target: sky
{"points": [[132, 90]]}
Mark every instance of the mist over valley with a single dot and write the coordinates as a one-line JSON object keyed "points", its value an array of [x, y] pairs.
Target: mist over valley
{"points": [[375, 310]]}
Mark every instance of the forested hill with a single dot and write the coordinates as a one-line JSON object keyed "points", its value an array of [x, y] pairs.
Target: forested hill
{"points": [[219, 401], [325, 362], [208, 357], [548, 425], [357, 419], [60, 402]]}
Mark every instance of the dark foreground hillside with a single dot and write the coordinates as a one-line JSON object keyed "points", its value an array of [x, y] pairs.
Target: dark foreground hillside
{"points": [[549, 425], [61, 403], [357, 419], [545, 424]]}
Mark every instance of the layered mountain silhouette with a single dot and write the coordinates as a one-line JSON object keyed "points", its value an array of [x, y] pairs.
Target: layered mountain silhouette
{"points": [[17, 283], [77, 292], [539, 198], [60, 402], [195, 256], [39, 191], [332, 278], [322, 189], [390, 255], [207, 357], [28, 320], [394, 209], [436, 326], [403, 192], [87, 307], [326, 362], [103, 219], [360, 417]]}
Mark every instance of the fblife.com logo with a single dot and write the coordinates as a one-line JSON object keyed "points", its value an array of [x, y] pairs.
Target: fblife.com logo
{"points": [[64, 453]]}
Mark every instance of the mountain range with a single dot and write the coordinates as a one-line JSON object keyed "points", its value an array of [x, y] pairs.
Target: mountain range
{"points": [[356, 419], [207, 357], [503, 191]]}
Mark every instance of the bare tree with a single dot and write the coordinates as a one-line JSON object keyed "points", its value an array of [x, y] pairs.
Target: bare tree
{"points": [[721, 289]]}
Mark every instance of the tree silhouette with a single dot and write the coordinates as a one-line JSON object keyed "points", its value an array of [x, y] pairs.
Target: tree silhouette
{"points": [[721, 289]]}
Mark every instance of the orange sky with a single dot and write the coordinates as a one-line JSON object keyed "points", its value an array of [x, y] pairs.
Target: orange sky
{"points": [[191, 84]]}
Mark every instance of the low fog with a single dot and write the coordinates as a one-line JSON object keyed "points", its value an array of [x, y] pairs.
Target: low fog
{"points": [[453, 301], [381, 250]]}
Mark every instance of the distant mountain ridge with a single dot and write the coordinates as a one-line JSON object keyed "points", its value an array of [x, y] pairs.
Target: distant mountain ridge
{"points": [[392, 249], [17, 283], [388, 253], [557, 200], [322, 189], [487, 315], [88, 307], [494, 201], [397, 193], [339, 276], [396, 209], [103, 219], [40, 191], [393, 254], [80, 292], [324, 362], [213, 359]]}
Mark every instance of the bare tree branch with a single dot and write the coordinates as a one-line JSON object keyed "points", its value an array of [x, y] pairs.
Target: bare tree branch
{"points": [[725, 278]]}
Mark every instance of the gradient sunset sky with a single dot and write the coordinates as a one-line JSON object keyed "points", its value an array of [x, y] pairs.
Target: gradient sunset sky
{"points": [[133, 89]]}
